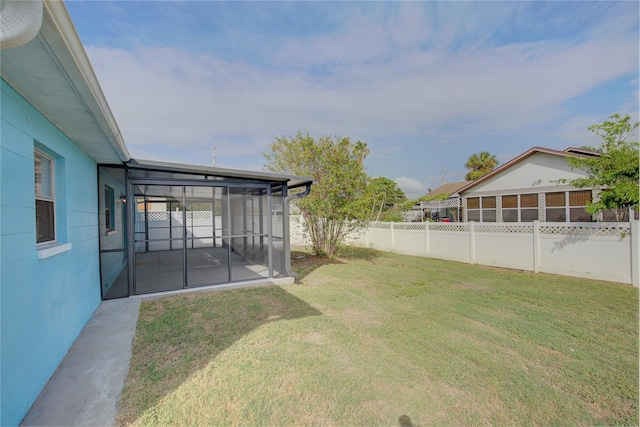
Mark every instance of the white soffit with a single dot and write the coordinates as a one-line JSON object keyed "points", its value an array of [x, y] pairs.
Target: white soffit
{"points": [[53, 73]]}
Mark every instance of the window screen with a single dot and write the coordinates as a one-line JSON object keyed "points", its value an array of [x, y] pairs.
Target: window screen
{"points": [[509, 202], [488, 202], [529, 201], [554, 199], [473, 215], [579, 198], [528, 215]]}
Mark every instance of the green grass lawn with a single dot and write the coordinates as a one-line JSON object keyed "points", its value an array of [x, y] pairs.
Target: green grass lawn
{"points": [[375, 338]]}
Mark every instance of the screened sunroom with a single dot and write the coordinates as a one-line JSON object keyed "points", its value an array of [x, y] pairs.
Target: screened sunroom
{"points": [[169, 227]]}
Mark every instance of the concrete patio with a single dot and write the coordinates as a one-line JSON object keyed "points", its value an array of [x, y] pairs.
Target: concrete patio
{"points": [[85, 389]]}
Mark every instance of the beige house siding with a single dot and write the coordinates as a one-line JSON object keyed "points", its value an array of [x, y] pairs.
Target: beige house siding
{"points": [[539, 171]]}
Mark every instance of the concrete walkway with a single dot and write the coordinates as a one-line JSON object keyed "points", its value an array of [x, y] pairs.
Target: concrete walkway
{"points": [[85, 389]]}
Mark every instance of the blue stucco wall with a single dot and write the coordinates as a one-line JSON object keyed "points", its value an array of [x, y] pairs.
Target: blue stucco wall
{"points": [[44, 302]]}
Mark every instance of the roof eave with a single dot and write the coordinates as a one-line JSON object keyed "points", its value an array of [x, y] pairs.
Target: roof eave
{"points": [[95, 101], [52, 73], [295, 181], [516, 160]]}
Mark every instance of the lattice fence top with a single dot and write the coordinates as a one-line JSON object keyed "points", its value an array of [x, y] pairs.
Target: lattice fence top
{"points": [[198, 215], [154, 216], [381, 225], [596, 229], [585, 229], [409, 226], [504, 228], [448, 226], [176, 216]]}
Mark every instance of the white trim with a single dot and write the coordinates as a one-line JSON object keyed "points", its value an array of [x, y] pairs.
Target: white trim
{"points": [[52, 176], [49, 250], [482, 209], [89, 89], [52, 197]]}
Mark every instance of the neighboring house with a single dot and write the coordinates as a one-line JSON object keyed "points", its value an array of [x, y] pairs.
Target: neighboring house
{"points": [[529, 188], [444, 203], [77, 217]]}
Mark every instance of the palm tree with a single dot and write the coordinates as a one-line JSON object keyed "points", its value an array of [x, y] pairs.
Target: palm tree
{"points": [[479, 165]]}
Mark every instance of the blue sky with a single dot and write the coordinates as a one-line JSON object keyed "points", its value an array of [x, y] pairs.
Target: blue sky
{"points": [[424, 84]]}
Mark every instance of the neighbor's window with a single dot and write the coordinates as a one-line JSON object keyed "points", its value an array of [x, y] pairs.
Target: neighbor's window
{"points": [[520, 208], [109, 211], [528, 207], [488, 209], [45, 198], [578, 200], [510, 208], [481, 209], [473, 209], [558, 210], [555, 207]]}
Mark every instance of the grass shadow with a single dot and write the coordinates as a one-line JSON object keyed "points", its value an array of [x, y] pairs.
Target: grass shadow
{"points": [[178, 336], [355, 253], [303, 262], [405, 421]]}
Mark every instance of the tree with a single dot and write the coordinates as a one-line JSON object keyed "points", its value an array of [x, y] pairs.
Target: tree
{"points": [[362, 150], [337, 203], [384, 195], [615, 171], [479, 165]]}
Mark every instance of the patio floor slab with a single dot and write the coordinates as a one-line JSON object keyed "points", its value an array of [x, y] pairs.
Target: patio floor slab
{"points": [[85, 389]]}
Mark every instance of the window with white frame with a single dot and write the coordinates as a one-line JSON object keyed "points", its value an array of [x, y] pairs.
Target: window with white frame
{"points": [[520, 208], [473, 209], [481, 209], [109, 208], [528, 207], [45, 198], [555, 207], [558, 210], [578, 201], [488, 205]]}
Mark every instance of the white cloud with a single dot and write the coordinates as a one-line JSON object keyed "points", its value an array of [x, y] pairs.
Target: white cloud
{"points": [[380, 78], [162, 96], [412, 187], [575, 131]]}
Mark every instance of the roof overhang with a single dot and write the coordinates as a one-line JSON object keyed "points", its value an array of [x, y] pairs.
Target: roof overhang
{"points": [[450, 189], [181, 168], [569, 152], [53, 73]]}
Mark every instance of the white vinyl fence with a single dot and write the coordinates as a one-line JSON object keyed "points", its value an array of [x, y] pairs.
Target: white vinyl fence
{"points": [[604, 251], [200, 227]]}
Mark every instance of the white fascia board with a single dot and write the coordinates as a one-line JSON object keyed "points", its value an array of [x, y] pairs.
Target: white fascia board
{"points": [[90, 89]]}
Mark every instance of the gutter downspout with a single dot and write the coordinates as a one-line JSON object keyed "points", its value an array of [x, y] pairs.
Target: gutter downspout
{"points": [[287, 237]]}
